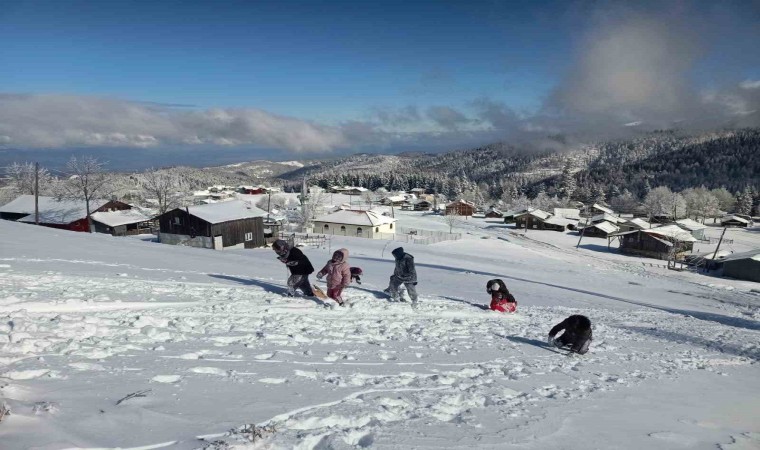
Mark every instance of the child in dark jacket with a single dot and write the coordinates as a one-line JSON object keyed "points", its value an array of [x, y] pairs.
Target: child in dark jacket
{"points": [[576, 336], [299, 265], [501, 299]]}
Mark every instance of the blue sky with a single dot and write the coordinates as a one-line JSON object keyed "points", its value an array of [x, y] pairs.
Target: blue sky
{"points": [[342, 67]]}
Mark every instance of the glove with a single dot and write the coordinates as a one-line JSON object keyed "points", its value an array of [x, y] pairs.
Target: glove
{"points": [[291, 263], [550, 340], [282, 259], [320, 276]]}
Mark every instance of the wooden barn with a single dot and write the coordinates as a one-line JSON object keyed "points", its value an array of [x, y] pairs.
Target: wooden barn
{"points": [[494, 213], [532, 219], [558, 223], [600, 229], [661, 243], [695, 228], [126, 222], [65, 214], [218, 226], [460, 208], [734, 220], [743, 266]]}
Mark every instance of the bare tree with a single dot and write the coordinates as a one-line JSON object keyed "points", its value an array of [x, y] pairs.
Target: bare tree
{"points": [[87, 181], [161, 185], [22, 177], [452, 220]]}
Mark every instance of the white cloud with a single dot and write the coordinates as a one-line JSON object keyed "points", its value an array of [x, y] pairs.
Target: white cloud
{"points": [[750, 84], [59, 121]]}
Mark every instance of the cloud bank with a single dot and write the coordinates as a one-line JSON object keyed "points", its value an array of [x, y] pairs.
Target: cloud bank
{"points": [[60, 121]]}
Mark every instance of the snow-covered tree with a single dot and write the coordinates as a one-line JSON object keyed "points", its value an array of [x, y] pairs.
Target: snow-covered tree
{"points": [[21, 177], [744, 201], [162, 186], [87, 181]]}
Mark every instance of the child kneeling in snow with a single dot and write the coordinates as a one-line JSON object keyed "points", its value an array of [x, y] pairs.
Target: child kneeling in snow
{"points": [[356, 273], [338, 275], [501, 299], [576, 336]]}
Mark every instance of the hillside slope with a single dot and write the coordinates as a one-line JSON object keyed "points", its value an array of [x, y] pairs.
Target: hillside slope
{"points": [[212, 346]]}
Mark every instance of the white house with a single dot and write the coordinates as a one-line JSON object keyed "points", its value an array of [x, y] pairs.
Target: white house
{"points": [[366, 224]]}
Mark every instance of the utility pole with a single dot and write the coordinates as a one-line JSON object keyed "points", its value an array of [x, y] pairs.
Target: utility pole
{"points": [[269, 203], [36, 193], [581, 236], [718, 247]]}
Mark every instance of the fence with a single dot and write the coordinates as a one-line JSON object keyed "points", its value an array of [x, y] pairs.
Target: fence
{"points": [[313, 240], [417, 236]]}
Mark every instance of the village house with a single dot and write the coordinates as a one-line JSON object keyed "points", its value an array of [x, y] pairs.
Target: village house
{"points": [[460, 208], [664, 242], [65, 214], [596, 208], [733, 220], [231, 224], [365, 224]]}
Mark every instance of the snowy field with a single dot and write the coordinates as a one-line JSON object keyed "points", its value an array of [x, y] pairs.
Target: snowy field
{"points": [[213, 348]]}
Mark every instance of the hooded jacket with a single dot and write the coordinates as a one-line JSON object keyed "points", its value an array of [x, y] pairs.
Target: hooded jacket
{"points": [[338, 273], [405, 270], [297, 262]]}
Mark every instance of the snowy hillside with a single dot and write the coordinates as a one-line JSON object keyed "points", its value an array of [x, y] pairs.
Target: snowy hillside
{"points": [[212, 348]]}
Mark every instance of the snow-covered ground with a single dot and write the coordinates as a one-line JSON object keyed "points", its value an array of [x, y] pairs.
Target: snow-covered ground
{"points": [[213, 348]]}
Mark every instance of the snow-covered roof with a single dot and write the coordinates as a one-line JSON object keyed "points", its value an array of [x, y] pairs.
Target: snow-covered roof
{"points": [[568, 213], [607, 217], [752, 254], [560, 221], [353, 217], [461, 202], [639, 223], [52, 211], [672, 232], [117, 218], [691, 225], [603, 208], [736, 218], [225, 211], [514, 212], [541, 214], [395, 198], [607, 227]]}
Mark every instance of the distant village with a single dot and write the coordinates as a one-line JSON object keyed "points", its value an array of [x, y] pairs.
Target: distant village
{"points": [[229, 217]]}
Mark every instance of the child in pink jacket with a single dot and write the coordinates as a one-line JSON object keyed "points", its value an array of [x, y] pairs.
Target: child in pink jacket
{"points": [[338, 275]]}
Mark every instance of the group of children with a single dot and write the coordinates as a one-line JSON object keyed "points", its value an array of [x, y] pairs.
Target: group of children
{"points": [[339, 274]]}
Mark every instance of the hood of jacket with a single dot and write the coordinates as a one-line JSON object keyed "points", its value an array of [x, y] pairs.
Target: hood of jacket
{"points": [[344, 251], [398, 253]]}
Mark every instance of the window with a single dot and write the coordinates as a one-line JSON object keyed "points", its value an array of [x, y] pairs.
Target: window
{"points": [[343, 229], [177, 220], [391, 226], [326, 226], [377, 229], [248, 237], [359, 231]]}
